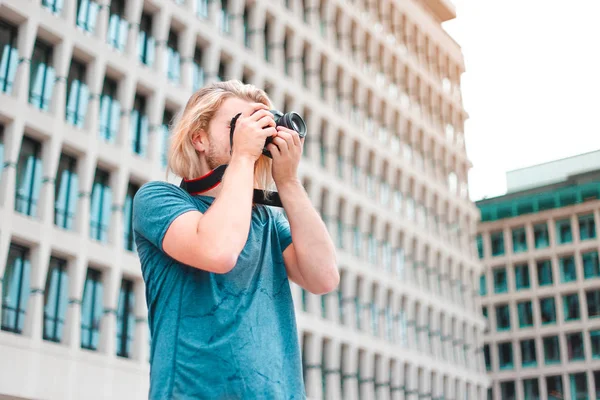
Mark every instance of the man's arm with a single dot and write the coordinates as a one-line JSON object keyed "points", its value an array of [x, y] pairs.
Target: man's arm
{"points": [[310, 260]]}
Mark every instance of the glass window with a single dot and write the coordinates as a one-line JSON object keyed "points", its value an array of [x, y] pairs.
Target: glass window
{"points": [[587, 227], [110, 111], [65, 196], [356, 240], [198, 69], [528, 354], [480, 251], [117, 25], [202, 8], [91, 309], [78, 94], [500, 283], [540, 235], [146, 43], [544, 272], [224, 25], [522, 277], [372, 248], [173, 58], [497, 239], [531, 389], [15, 288], [507, 390], [568, 272], [164, 146], [41, 75], [551, 350], [129, 239], [578, 389], [29, 177], [592, 298], [400, 262], [487, 357], [139, 126], [597, 383], [548, 310], [554, 387], [55, 299], [525, 311], [502, 317], [595, 344], [505, 355], [571, 307], [591, 267], [87, 13], [519, 240], [9, 58], [55, 6], [100, 209], [1, 147], [482, 285], [125, 318], [246, 26], [563, 231]]}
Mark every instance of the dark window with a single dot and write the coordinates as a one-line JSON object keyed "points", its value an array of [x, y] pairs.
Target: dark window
{"points": [[100, 210], [128, 217], [65, 204], [146, 43], [77, 94], [110, 111], [55, 299], [29, 177], [117, 25], [91, 309], [41, 75], [9, 58], [87, 14], [15, 288], [125, 319], [139, 126]]}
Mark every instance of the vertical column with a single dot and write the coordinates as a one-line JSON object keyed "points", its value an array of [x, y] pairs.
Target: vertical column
{"points": [[349, 375], [161, 33], [108, 322], [187, 48], [102, 23], [35, 305], [313, 367], [366, 380], [382, 378], [133, 12], [77, 274]]}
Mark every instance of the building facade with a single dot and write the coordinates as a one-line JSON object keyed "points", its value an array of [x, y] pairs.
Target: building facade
{"points": [[541, 286], [88, 92]]}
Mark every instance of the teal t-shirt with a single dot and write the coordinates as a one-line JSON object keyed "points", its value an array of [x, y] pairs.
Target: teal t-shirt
{"points": [[217, 336]]}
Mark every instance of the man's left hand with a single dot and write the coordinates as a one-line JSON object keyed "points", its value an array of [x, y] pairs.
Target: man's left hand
{"points": [[286, 150]]}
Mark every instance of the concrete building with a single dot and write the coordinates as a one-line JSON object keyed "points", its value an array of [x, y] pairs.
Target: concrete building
{"points": [[88, 89], [541, 286]]}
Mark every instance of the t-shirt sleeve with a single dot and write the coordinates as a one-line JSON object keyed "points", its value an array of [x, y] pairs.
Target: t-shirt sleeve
{"points": [[283, 230], [155, 206]]}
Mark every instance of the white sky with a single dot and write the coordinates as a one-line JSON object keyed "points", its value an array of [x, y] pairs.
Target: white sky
{"points": [[531, 86]]}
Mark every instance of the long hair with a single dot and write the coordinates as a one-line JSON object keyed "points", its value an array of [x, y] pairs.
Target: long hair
{"points": [[200, 109]]}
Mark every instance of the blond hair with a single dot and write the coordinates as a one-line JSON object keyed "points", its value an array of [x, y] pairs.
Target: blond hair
{"points": [[198, 112]]}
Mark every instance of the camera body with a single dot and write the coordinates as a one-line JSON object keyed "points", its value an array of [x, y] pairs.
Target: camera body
{"points": [[290, 120]]}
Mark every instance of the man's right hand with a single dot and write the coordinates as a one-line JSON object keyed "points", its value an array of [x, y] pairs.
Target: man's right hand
{"points": [[252, 129]]}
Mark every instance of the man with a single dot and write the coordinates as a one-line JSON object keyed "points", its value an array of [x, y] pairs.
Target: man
{"points": [[217, 267]]}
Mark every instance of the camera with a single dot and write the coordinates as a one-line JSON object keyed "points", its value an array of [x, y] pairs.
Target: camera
{"points": [[290, 120]]}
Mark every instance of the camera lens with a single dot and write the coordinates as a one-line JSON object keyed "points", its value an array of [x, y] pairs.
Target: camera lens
{"points": [[294, 121]]}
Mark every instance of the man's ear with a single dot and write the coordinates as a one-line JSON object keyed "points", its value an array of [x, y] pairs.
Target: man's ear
{"points": [[200, 141]]}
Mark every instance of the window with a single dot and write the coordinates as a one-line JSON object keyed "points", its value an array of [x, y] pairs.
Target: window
{"points": [[497, 239], [100, 209], [591, 267], [587, 227], [139, 126], [55, 6], [480, 251], [9, 58], [487, 357], [1, 147], [224, 25], [110, 111], [266, 44], [500, 284], [528, 354], [29, 177], [568, 272], [525, 311], [531, 389], [522, 276], [540, 236], [173, 58], [578, 389], [65, 195], [544, 272], [400, 260], [340, 233], [202, 8], [87, 13], [91, 309], [372, 248], [246, 26], [117, 25], [41, 75], [571, 307], [55, 299], [77, 94], [554, 387], [519, 240], [548, 310], [146, 43], [507, 390], [222, 72], [595, 344], [197, 69], [15, 288], [592, 298], [129, 239], [356, 240], [563, 231], [551, 350], [125, 319], [164, 148], [575, 350], [502, 317], [482, 285]]}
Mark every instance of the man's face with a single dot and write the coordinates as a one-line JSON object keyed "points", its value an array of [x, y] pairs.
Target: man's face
{"points": [[219, 145]]}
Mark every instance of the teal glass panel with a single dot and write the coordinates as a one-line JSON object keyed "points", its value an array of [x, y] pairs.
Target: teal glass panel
{"points": [[544, 272], [15, 289], [528, 353], [502, 317], [571, 305], [500, 281], [548, 310], [519, 240], [125, 319], [505, 355], [551, 349], [541, 236], [497, 239], [522, 277], [9, 58], [65, 196], [563, 231], [29, 177], [568, 271], [87, 15], [56, 300], [525, 311], [587, 227], [591, 266], [91, 309]]}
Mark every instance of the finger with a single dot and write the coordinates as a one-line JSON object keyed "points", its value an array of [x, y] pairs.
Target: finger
{"points": [[260, 114], [274, 151], [266, 121], [294, 137], [287, 136], [270, 131], [254, 107], [282, 144]]}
